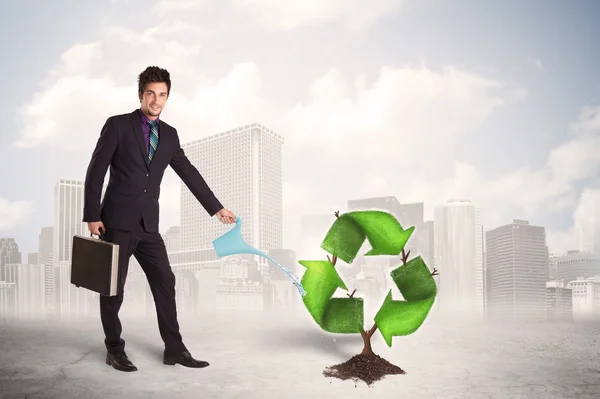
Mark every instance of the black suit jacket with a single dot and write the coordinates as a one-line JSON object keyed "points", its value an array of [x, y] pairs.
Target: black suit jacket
{"points": [[133, 188]]}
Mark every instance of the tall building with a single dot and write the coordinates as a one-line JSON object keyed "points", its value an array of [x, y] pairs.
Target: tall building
{"points": [[45, 245], [587, 222], [243, 168], [517, 263], [45, 248], [458, 248], [9, 254], [577, 264], [552, 267], [68, 214]]}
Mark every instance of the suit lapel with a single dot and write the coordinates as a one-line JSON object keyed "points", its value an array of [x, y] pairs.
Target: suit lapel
{"points": [[139, 135]]}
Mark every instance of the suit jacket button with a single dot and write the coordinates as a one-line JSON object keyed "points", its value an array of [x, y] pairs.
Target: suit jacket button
{"points": [[147, 175], [144, 190]]}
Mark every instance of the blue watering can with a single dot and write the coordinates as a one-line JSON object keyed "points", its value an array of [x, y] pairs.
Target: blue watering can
{"points": [[232, 243]]}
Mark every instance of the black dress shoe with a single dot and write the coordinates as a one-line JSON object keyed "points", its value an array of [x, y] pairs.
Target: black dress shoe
{"points": [[185, 359], [120, 361]]}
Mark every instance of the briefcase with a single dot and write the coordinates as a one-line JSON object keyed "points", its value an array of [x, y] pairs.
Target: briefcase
{"points": [[95, 265]]}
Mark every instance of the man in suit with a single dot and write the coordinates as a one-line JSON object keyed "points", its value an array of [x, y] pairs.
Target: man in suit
{"points": [[138, 147]]}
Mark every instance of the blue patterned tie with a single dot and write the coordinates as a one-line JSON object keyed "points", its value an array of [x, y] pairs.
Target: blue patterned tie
{"points": [[153, 140]]}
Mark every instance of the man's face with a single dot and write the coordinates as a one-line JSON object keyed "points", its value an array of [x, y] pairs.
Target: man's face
{"points": [[153, 99]]}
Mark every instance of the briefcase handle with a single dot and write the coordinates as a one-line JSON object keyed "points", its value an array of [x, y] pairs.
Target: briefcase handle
{"points": [[101, 233]]}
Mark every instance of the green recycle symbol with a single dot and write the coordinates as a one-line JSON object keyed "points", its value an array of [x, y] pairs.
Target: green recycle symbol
{"points": [[346, 315]]}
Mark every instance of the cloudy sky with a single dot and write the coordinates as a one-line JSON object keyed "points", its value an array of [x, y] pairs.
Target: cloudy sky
{"points": [[426, 100]]}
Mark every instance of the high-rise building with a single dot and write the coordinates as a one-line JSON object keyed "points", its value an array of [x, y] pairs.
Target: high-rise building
{"points": [[243, 168], [45, 245], [576, 264], [458, 249], [9, 254], [45, 248], [517, 263], [552, 267], [68, 215], [587, 222]]}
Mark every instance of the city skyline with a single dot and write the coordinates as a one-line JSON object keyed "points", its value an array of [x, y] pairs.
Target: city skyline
{"points": [[473, 280], [463, 286]]}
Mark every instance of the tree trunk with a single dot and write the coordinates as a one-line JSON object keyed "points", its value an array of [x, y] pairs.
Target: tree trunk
{"points": [[367, 350]]}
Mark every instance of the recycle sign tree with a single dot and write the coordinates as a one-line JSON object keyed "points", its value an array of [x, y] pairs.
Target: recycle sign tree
{"points": [[413, 279]]}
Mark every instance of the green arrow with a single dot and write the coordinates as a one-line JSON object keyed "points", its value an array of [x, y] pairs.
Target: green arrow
{"points": [[417, 286], [336, 315], [347, 235]]}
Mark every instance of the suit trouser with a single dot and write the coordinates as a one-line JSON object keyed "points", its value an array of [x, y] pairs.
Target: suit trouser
{"points": [[150, 251]]}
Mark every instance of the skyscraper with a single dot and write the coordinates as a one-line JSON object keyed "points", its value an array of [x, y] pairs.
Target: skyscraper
{"points": [[517, 263], [45, 248], [68, 212], [9, 254], [68, 215], [587, 222], [243, 168], [576, 263], [458, 249]]}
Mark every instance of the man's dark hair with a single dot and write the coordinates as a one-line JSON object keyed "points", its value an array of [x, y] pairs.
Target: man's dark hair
{"points": [[154, 74]]}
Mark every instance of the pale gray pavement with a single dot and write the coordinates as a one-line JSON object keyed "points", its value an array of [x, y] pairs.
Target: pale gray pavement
{"points": [[283, 357]]}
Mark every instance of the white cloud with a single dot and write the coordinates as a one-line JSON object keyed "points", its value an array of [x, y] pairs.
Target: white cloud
{"points": [[407, 118], [14, 213], [356, 15], [81, 92], [404, 110], [524, 190]]}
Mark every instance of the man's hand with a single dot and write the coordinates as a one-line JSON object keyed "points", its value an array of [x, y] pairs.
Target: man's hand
{"points": [[226, 216], [94, 228]]}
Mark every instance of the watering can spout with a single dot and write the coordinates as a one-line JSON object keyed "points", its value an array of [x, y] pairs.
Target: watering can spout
{"points": [[232, 243]]}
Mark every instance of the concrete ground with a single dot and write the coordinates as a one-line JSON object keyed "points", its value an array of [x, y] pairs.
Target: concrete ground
{"points": [[284, 356]]}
